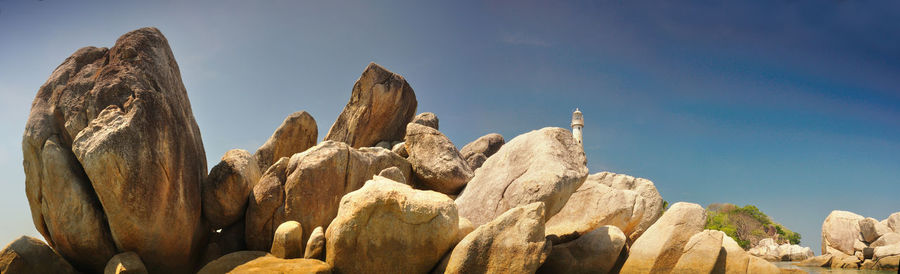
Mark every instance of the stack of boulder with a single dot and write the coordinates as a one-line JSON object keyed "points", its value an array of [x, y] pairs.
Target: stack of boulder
{"points": [[853, 241], [771, 251], [117, 182]]}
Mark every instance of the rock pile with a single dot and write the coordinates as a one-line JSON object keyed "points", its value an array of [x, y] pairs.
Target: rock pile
{"points": [[116, 180], [853, 241], [770, 251]]}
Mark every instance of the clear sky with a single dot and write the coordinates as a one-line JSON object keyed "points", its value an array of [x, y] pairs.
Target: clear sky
{"points": [[792, 106]]}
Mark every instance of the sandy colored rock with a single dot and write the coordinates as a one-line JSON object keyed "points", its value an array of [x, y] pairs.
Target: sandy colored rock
{"points": [[818, 261], [653, 202], [594, 205], [888, 263], [225, 191], [893, 222], [30, 255], [758, 265], [512, 243], [308, 188], [427, 119], [871, 229], [736, 259], [887, 239], [597, 251], [545, 165], [393, 173], [388, 227], [436, 164], [660, 247], [400, 149], [841, 232], [297, 133], [271, 264], [125, 263], [126, 116], [887, 251], [230, 261], [476, 152], [315, 247], [703, 253], [380, 106], [288, 241]]}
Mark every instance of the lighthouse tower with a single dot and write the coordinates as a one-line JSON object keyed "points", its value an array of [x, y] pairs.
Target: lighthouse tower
{"points": [[577, 124]]}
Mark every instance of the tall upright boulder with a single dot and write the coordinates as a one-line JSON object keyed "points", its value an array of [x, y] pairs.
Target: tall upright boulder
{"points": [[124, 114], [661, 246], [380, 106], [436, 163], [225, 191], [703, 253], [841, 233], [308, 187], [476, 152], [388, 227], [297, 133], [545, 165]]}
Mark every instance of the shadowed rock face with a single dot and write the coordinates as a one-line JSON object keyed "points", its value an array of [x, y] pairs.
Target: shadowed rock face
{"points": [[380, 106], [114, 159]]}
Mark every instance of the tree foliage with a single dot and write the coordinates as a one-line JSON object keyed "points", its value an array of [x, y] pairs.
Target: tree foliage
{"points": [[740, 223]]}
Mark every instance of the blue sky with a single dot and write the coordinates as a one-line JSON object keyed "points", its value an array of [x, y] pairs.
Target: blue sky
{"points": [[793, 106]]}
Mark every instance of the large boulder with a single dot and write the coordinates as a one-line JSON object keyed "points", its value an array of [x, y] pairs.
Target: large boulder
{"points": [[380, 106], [476, 152], [286, 243], [545, 165], [388, 227], [660, 247], [596, 204], [887, 251], [893, 222], [703, 253], [30, 255], [887, 239], [427, 119], [598, 251], [512, 243], [124, 114], [436, 163], [297, 133], [736, 259], [225, 191], [308, 187], [653, 202], [871, 229], [841, 232]]}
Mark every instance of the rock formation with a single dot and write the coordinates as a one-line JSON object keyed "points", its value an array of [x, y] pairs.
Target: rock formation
{"points": [[114, 158], [427, 119], [436, 164], [308, 188], [659, 249], [287, 241], [388, 227], [380, 106], [770, 251], [224, 192], [476, 152], [853, 241], [30, 255], [702, 254], [544, 165], [297, 133], [602, 250]]}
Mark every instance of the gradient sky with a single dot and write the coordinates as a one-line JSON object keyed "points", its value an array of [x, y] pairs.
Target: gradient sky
{"points": [[792, 106]]}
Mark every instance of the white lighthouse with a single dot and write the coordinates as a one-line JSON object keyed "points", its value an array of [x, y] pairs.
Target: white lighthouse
{"points": [[577, 124]]}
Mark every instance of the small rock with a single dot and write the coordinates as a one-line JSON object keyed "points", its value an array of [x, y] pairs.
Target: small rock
{"points": [[228, 262], [479, 150], [288, 241], [871, 229], [893, 222], [315, 247], [436, 163], [384, 144], [393, 173], [427, 119], [128, 262], [887, 239], [818, 261], [400, 149]]}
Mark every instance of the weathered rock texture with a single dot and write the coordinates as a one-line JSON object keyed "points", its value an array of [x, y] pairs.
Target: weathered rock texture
{"points": [[659, 249], [476, 152], [871, 229], [288, 241], [545, 165], [436, 163], [840, 232], [308, 188], [124, 114], [228, 262], [427, 119], [599, 251], [703, 253], [596, 204], [225, 191], [380, 106], [297, 133], [30, 255], [261, 262], [125, 263], [512, 243], [770, 251], [388, 227], [315, 247]]}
